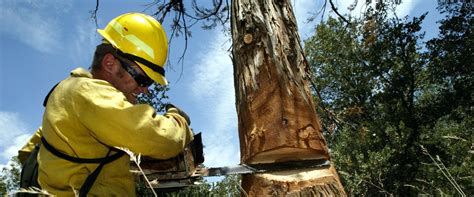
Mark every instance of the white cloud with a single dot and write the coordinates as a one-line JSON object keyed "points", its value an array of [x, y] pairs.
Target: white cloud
{"points": [[213, 87], [13, 135], [304, 9], [406, 7], [18, 142], [35, 23], [84, 39], [215, 68]]}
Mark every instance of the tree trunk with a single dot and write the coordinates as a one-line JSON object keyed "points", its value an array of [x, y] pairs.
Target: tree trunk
{"points": [[276, 113]]}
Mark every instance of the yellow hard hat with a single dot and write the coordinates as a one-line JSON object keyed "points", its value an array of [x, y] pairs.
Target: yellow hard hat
{"points": [[140, 38]]}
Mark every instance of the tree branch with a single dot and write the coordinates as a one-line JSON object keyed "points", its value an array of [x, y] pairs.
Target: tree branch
{"points": [[94, 13], [338, 14]]}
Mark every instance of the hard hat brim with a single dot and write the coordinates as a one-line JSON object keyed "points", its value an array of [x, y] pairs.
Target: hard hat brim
{"points": [[107, 37], [153, 75]]}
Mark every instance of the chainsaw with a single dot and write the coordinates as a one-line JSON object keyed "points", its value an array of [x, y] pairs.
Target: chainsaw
{"points": [[187, 169]]}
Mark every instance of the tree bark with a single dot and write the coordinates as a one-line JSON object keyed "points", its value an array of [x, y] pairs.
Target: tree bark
{"points": [[276, 113]]}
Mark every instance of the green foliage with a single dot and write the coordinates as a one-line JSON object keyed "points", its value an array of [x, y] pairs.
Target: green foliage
{"points": [[156, 97], [229, 186], [384, 94], [10, 176]]}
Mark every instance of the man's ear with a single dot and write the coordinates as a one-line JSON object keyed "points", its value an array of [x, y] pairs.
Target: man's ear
{"points": [[109, 63]]}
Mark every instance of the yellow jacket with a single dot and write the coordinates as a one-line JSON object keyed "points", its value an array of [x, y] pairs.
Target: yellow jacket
{"points": [[83, 118]]}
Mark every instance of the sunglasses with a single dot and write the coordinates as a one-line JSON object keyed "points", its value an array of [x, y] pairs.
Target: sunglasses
{"points": [[142, 80]]}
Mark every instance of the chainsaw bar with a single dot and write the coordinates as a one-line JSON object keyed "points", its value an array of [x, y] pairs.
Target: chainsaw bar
{"points": [[260, 168]]}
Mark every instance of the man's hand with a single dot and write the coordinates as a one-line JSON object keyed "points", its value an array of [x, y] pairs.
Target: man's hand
{"points": [[180, 112]]}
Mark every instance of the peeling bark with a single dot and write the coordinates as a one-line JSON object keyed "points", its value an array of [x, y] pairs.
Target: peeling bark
{"points": [[276, 113], [274, 104]]}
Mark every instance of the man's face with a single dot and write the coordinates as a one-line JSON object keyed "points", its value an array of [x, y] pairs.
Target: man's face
{"points": [[125, 82]]}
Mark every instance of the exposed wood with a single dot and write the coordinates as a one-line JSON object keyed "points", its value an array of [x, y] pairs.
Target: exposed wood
{"points": [[307, 182], [276, 113]]}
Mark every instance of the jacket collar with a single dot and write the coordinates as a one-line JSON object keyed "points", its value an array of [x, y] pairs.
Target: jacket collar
{"points": [[81, 72]]}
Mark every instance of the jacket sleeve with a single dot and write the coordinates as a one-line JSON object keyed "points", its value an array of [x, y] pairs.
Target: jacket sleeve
{"points": [[26, 150], [112, 120]]}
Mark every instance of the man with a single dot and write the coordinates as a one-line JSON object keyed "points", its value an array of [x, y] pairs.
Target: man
{"points": [[88, 114]]}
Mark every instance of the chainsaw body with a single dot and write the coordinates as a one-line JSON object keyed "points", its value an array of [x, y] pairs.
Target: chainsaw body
{"points": [[186, 168], [175, 172]]}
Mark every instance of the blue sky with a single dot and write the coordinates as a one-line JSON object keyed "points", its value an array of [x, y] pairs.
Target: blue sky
{"points": [[41, 41]]}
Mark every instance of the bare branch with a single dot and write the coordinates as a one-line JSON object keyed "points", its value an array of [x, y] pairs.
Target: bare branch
{"points": [[94, 13], [186, 33], [182, 21], [338, 14]]}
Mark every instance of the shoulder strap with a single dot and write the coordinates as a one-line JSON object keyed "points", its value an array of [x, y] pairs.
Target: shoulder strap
{"points": [[107, 159], [87, 185], [49, 93], [29, 171], [89, 182]]}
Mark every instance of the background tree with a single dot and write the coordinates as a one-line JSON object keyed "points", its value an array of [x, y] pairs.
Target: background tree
{"points": [[10, 177], [383, 98], [156, 97], [448, 101], [228, 186]]}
